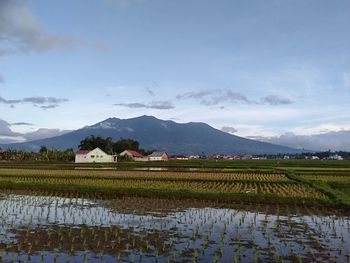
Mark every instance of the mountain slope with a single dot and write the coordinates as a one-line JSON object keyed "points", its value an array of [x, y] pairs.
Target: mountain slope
{"points": [[335, 141], [152, 133]]}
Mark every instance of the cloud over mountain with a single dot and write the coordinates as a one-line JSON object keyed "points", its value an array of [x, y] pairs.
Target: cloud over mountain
{"points": [[229, 129], [9, 136], [211, 97], [158, 105], [335, 140], [214, 96]]}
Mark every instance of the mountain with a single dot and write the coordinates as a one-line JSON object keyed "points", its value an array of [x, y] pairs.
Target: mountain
{"points": [[334, 140], [152, 133]]}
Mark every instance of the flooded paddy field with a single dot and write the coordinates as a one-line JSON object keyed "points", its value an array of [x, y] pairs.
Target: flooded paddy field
{"points": [[36, 227]]}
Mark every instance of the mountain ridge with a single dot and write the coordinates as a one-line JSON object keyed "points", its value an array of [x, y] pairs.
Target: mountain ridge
{"points": [[163, 135]]}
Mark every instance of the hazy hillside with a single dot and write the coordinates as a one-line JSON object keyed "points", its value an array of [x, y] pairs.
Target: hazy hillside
{"points": [[152, 133]]}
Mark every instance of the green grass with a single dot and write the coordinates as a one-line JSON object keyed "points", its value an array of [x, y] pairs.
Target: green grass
{"points": [[109, 192], [211, 164], [337, 193]]}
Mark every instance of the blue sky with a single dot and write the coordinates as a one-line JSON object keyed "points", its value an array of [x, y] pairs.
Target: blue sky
{"points": [[262, 68]]}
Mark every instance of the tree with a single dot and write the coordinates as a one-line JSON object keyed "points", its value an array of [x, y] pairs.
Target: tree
{"points": [[44, 152], [125, 144], [91, 142], [110, 147]]}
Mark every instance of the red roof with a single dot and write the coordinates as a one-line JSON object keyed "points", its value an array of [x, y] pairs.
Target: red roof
{"points": [[135, 153], [82, 152]]}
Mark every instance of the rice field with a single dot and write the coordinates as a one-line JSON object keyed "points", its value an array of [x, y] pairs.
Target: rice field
{"points": [[253, 184], [86, 173], [43, 228], [328, 178], [111, 215]]}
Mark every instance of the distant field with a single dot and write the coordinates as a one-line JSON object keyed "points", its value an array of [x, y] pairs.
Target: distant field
{"points": [[260, 180], [211, 164], [169, 175], [334, 181], [196, 211]]}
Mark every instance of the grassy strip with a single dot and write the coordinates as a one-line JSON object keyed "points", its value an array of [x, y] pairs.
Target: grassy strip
{"points": [[24, 171], [163, 179], [235, 164], [338, 197], [113, 192]]}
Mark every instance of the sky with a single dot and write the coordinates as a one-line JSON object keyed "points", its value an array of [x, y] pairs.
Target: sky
{"points": [[257, 69]]}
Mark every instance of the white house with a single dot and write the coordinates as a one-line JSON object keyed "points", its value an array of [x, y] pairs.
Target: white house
{"points": [[134, 155], [158, 156], [335, 157], [94, 156]]}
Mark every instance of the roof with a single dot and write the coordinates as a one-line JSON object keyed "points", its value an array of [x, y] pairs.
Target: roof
{"points": [[82, 152], [157, 154], [135, 153]]}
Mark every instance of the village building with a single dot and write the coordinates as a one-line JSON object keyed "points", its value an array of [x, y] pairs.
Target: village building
{"points": [[94, 156], [1, 154], [335, 157], [158, 156], [315, 158], [133, 155], [179, 157]]}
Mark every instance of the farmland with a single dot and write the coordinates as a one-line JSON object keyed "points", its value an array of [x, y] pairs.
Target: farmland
{"points": [[239, 211]]}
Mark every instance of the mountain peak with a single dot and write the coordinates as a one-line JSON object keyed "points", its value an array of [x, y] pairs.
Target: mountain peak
{"points": [[144, 117], [174, 138]]}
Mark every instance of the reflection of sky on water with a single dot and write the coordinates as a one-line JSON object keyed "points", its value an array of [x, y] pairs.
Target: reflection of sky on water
{"points": [[216, 233]]}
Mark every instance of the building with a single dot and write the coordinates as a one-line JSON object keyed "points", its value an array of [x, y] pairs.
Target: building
{"points": [[179, 157], [94, 156], [158, 156], [1, 154], [335, 157], [134, 155]]}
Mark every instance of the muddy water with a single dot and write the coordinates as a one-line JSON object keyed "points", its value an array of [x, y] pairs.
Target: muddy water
{"points": [[36, 228]]}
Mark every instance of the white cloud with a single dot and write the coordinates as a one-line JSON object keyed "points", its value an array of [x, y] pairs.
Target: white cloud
{"points": [[229, 129], [335, 141], [21, 32], [7, 135], [321, 128]]}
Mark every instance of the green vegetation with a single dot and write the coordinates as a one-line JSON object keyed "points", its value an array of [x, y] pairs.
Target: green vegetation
{"points": [[267, 181], [335, 183], [109, 146], [49, 226], [177, 211]]}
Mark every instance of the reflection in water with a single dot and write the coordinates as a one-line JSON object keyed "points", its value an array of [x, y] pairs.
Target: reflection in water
{"points": [[60, 229]]}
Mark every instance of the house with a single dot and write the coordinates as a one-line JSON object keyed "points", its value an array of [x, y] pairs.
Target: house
{"points": [[94, 156], [335, 157], [134, 155], [158, 156], [179, 157]]}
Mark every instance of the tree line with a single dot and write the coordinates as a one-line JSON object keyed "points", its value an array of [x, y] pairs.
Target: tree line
{"points": [[111, 147], [44, 154], [89, 143]]}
